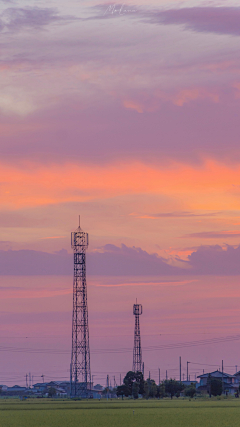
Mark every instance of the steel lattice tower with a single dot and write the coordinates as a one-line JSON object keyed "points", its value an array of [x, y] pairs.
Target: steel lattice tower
{"points": [[80, 374], [137, 350]]}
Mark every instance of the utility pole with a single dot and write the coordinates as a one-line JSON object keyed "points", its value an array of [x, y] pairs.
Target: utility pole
{"points": [[42, 376], [120, 379], [222, 379], [114, 381], [187, 370], [92, 380], [159, 376], [236, 368], [143, 369], [107, 386], [180, 369], [26, 380]]}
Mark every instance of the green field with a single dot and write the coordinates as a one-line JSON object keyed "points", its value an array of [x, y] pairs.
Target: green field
{"points": [[117, 413]]}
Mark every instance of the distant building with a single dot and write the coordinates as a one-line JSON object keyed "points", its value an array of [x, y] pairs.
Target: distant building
{"points": [[230, 382], [62, 388], [237, 375], [16, 390]]}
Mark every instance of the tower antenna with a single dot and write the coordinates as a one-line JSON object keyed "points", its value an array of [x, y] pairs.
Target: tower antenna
{"points": [[137, 350], [80, 374]]}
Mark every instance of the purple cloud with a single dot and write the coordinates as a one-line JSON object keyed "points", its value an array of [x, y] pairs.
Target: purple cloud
{"points": [[220, 20], [29, 262], [15, 18], [215, 260], [118, 133], [110, 261], [125, 261], [122, 261]]}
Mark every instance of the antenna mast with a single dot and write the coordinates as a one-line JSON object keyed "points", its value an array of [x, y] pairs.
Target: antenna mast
{"points": [[80, 374], [137, 350]]}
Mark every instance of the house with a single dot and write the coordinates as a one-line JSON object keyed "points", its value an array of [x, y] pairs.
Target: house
{"points": [[16, 390], [40, 387], [237, 375], [61, 388], [97, 391], [230, 382]]}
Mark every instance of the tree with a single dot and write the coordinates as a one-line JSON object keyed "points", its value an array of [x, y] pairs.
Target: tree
{"points": [[133, 385], [122, 390], [173, 387], [135, 390], [190, 390], [209, 388], [51, 392], [150, 388], [128, 381], [161, 390], [216, 386]]}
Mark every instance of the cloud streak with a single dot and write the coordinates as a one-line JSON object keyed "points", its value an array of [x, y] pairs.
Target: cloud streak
{"points": [[214, 234], [180, 214], [218, 20], [14, 18]]}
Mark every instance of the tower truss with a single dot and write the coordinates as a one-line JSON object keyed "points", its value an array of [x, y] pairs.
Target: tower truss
{"points": [[137, 350], [80, 374]]}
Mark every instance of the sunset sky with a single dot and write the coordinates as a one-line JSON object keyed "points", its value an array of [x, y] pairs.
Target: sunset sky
{"points": [[131, 120]]}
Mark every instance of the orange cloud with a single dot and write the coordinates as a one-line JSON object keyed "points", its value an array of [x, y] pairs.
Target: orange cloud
{"points": [[179, 98], [132, 105], [210, 186], [187, 95]]}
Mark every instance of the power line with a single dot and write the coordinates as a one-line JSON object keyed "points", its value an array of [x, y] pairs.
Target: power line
{"points": [[127, 349]]}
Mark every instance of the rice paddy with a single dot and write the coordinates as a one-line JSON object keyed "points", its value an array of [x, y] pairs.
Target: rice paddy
{"points": [[118, 413]]}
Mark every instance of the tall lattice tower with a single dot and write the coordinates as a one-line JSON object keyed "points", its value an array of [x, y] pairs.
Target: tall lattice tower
{"points": [[80, 374], [137, 350]]}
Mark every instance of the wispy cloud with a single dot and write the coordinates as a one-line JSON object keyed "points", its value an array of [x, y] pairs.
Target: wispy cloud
{"points": [[207, 19], [213, 234], [148, 283], [14, 18], [179, 214], [219, 20]]}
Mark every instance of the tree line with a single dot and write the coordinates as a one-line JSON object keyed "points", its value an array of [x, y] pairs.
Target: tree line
{"points": [[134, 385]]}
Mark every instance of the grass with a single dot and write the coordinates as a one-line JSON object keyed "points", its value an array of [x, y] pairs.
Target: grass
{"points": [[117, 413]]}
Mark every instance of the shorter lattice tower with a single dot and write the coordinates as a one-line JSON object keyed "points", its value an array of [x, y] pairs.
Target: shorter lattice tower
{"points": [[137, 350], [80, 375]]}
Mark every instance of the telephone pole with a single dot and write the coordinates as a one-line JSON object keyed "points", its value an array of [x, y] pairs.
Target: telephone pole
{"points": [[187, 370], [222, 379]]}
